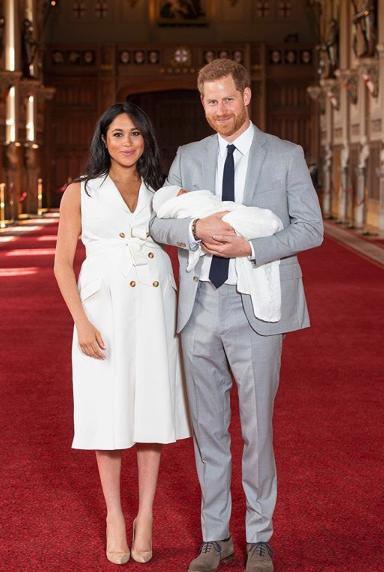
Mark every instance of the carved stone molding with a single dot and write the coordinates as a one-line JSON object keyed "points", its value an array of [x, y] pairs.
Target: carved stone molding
{"points": [[332, 90], [344, 156], [7, 80], [369, 69], [364, 152], [316, 93], [45, 93], [349, 80], [28, 87]]}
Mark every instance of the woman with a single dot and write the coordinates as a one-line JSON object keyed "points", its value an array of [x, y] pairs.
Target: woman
{"points": [[128, 387]]}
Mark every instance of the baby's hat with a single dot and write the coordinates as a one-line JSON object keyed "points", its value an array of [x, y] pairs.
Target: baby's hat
{"points": [[163, 195]]}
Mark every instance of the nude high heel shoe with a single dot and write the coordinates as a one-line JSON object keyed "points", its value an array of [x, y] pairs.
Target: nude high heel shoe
{"points": [[117, 557], [140, 556]]}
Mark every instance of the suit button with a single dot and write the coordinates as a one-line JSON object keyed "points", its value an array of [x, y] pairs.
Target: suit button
{"points": [[181, 244], [150, 255], [132, 284], [195, 278], [155, 284], [122, 235]]}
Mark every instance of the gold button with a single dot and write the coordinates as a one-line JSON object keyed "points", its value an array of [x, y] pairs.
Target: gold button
{"points": [[122, 235], [132, 284], [150, 255], [181, 244], [148, 234], [155, 284], [195, 278]]}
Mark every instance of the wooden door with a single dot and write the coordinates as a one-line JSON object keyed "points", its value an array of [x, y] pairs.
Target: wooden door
{"points": [[289, 112], [178, 118]]}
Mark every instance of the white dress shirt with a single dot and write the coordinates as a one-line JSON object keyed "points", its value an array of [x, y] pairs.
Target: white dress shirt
{"points": [[241, 154]]}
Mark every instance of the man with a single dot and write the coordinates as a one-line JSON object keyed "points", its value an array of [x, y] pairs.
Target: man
{"points": [[221, 336]]}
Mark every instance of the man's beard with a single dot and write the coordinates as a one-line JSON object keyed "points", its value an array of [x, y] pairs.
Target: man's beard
{"points": [[228, 129]]}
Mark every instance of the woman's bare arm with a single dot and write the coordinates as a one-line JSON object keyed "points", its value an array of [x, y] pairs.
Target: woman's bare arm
{"points": [[90, 340]]}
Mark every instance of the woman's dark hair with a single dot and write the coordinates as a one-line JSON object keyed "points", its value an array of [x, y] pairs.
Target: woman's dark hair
{"points": [[99, 161]]}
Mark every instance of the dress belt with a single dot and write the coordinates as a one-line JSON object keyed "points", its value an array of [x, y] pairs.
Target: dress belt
{"points": [[139, 237]]}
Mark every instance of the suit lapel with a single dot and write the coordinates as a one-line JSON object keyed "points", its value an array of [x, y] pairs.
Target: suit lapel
{"points": [[256, 158], [209, 161]]}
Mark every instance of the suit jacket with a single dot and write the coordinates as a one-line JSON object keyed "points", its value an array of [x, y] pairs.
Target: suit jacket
{"points": [[277, 179]]}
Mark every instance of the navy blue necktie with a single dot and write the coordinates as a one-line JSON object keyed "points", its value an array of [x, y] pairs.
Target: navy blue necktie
{"points": [[218, 273]]}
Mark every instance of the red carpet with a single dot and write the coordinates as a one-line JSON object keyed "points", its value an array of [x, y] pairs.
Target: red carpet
{"points": [[328, 438]]}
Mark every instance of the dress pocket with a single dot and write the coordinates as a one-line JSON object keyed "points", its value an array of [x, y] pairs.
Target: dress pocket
{"points": [[90, 288]]}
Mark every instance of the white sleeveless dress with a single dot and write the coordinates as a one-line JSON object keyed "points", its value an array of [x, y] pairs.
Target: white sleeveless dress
{"points": [[126, 284]]}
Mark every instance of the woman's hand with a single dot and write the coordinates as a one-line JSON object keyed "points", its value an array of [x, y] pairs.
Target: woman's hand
{"points": [[90, 340]]}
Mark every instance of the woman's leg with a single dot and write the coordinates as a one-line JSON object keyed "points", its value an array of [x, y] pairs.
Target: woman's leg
{"points": [[109, 464], [148, 462]]}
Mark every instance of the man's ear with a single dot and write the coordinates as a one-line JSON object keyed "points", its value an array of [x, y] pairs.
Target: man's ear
{"points": [[202, 100], [247, 95]]}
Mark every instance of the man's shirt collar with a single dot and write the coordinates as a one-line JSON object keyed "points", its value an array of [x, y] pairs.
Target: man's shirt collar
{"points": [[242, 143]]}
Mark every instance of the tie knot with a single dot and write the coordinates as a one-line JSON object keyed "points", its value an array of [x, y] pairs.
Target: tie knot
{"points": [[230, 149]]}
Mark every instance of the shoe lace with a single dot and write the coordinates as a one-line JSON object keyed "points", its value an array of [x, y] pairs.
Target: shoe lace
{"points": [[207, 547], [261, 548]]}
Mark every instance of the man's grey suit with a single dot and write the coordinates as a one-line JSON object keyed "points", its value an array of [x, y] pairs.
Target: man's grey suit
{"points": [[218, 327]]}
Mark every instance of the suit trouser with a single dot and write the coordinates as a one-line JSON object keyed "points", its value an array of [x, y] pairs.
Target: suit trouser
{"points": [[217, 339]]}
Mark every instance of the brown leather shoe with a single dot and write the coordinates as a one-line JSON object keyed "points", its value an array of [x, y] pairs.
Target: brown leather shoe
{"points": [[259, 557], [211, 555]]}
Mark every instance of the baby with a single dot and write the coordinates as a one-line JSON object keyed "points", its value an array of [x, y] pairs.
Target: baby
{"points": [[262, 283]]}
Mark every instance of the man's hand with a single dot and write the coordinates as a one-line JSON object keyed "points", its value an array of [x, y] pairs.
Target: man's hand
{"points": [[212, 225], [227, 246]]}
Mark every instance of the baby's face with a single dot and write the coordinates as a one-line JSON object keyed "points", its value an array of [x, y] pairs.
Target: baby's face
{"points": [[181, 192]]}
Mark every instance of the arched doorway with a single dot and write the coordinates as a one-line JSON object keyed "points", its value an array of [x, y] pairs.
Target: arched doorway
{"points": [[178, 117]]}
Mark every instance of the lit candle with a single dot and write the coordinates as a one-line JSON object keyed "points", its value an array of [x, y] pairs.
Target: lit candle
{"points": [[39, 196]]}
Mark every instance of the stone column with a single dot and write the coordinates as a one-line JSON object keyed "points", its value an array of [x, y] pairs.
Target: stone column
{"points": [[361, 192], [331, 90], [11, 75], [31, 167], [380, 50], [43, 96], [344, 183], [343, 14], [32, 173], [327, 178], [12, 169]]}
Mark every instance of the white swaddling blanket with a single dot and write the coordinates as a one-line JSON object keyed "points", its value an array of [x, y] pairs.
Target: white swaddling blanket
{"points": [[262, 283]]}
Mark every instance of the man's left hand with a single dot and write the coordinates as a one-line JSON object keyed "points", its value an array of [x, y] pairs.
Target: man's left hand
{"points": [[231, 246]]}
